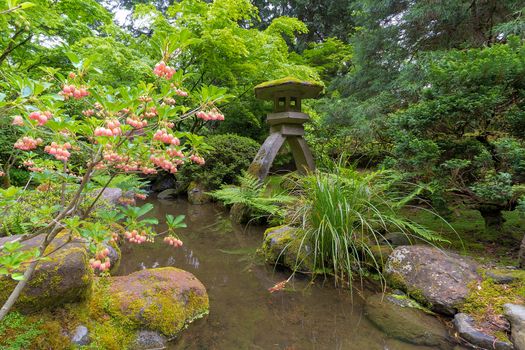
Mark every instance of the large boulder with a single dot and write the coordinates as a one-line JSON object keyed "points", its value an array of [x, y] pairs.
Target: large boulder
{"points": [[403, 319], [164, 299], [466, 328], [284, 245], [435, 278], [516, 315], [63, 277]]}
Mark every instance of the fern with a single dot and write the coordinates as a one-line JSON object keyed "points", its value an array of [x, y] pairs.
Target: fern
{"points": [[253, 194]]}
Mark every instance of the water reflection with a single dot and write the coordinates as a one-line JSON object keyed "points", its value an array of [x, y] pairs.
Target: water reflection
{"points": [[243, 314]]}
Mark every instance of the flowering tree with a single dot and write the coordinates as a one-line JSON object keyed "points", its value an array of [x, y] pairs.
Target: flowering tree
{"points": [[82, 137]]}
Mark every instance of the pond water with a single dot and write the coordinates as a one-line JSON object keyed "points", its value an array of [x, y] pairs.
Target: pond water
{"points": [[243, 314]]}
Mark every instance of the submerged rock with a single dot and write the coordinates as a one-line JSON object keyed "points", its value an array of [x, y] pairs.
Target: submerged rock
{"points": [[466, 329], [64, 277], [197, 194], [516, 315], [170, 193], [284, 245], [163, 299], [433, 277], [149, 340], [403, 319]]}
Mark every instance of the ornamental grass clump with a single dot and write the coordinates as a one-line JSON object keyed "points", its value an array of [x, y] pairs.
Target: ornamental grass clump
{"points": [[345, 214]]}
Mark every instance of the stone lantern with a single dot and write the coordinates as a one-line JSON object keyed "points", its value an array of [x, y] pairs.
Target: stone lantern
{"points": [[286, 123]]}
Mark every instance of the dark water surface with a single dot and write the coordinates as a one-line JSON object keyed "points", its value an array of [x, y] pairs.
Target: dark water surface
{"points": [[243, 314]]}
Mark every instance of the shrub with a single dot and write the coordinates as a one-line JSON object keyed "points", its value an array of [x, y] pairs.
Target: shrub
{"points": [[231, 155]]}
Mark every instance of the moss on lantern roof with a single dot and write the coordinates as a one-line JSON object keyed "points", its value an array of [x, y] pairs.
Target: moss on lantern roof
{"points": [[304, 88]]}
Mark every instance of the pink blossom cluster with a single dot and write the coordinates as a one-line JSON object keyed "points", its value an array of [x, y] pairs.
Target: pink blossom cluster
{"points": [[172, 152], [60, 152], [88, 112], [140, 196], [27, 143], [163, 71], [136, 122], [18, 120], [114, 237], [128, 167], [151, 112], [112, 129], [210, 115], [135, 237], [163, 136], [170, 101], [69, 91], [175, 242], [164, 163], [178, 91], [197, 160], [31, 166], [98, 264], [148, 170], [40, 117]]}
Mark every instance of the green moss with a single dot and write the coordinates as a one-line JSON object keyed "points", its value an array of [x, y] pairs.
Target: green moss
{"points": [[288, 80], [486, 299], [287, 248]]}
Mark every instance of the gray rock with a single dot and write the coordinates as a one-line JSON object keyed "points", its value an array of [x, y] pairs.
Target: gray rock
{"points": [[501, 276], [433, 277], [465, 326], [112, 195], [167, 194], [400, 318], [149, 340], [80, 336], [516, 315], [397, 239]]}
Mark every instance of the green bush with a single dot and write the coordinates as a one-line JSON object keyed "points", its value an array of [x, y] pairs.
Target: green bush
{"points": [[231, 155]]}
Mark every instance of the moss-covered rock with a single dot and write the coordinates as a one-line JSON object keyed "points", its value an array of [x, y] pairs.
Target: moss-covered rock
{"points": [[284, 245], [63, 277], [435, 278], [163, 299], [197, 194], [404, 319]]}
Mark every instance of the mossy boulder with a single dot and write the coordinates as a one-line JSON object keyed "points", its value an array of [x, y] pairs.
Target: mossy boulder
{"points": [[64, 277], [112, 195], [197, 194], [434, 277], [284, 245], [164, 299], [403, 319]]}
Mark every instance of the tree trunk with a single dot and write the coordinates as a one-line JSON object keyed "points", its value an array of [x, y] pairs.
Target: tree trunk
{"points": [[521, 256], [493, 217]]}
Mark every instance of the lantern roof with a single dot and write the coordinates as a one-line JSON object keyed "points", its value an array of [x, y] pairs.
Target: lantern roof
{"points": [[287, 87]]}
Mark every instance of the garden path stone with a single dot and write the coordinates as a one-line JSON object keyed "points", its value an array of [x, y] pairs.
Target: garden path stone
{"points": [[465, 326], [516, 315], [437, 279]]}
